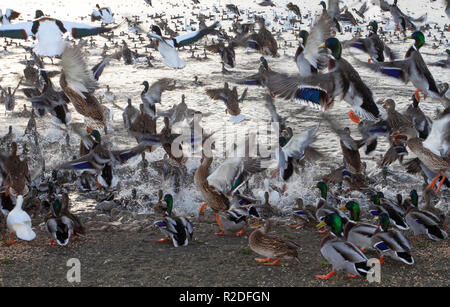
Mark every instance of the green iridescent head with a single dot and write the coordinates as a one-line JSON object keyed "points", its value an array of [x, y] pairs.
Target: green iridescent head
{"points": [[323, 189], [375, 199], [419, 39], [354, 209], [373, 26], [96, 135], [282, 141], [168, 201], [57, 207], [448, 51], [334, 221], [414, 198], [304, 35], [335, 46], [384, 221], [264, 62]]}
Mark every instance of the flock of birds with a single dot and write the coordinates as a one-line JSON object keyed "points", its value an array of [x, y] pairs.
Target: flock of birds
{"points": [[323, 78]]}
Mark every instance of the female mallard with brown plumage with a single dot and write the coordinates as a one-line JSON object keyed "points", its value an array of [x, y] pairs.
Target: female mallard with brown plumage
{"points": [[79, 84], [271, 246], [216, 188], [263, 41], [434, 152], [17, 174]]}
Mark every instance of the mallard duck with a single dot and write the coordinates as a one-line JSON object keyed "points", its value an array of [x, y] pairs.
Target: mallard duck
{"points": [[58, 226], [308, 57], [433, 152], [9, 96], [79, 84], [49, 32], [362, 10], [263, 41], [143, 123], [373, 45], [235, 219], [16, 174], [401, 20], [321, 90], [350, 149], [421, 122], [231, 99], [293, 151], [152, 94], [19, 223], [129, 114], [391, 243], [78, 227], [413, 68], [104, 14], [347, 16], [356, 232], [425, 223], [380, 204], [304, 215], [100, 161], [51, 101], [294, 8], [8, 17], [167, 46], [227, 54], [332, 11], [343, 256], [271, 246], [229, 176], [428, 197], [176, 228]]}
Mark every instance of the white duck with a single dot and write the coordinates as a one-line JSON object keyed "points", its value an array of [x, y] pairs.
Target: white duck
{"points": [[19, 223]]}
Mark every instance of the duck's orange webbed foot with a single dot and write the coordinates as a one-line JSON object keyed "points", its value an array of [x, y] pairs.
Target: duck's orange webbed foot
{"points": [[273, 263], [262, 260], [326, 276], [163, 240]]}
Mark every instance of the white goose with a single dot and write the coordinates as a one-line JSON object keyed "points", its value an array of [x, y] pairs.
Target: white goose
{"points": [[19, 223]]}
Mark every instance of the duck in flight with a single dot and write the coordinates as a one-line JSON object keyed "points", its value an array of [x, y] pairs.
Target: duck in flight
{"points": [[48, 32]]}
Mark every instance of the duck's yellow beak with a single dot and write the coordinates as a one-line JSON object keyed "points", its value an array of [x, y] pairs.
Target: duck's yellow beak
{"points": [[409, 37], [314, 186], [321, 224], [322, 46], [376, 218], [343, 208]]}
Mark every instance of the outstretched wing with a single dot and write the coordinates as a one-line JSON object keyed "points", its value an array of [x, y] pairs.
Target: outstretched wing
{"points": [[18, 30], [79, 30], [78, 76], [319, 33], [317, 91], [190, 38]]}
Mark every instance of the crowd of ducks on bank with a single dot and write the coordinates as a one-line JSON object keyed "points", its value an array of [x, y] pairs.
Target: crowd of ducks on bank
{"points": [[324, 78]]}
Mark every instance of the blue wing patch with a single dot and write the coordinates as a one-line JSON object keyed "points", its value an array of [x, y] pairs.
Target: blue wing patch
{"points": [[381, 246]]}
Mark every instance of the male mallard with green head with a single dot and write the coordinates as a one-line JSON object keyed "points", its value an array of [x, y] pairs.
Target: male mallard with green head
{"points": [[391, 243], [177, 229], [413, 68]]}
